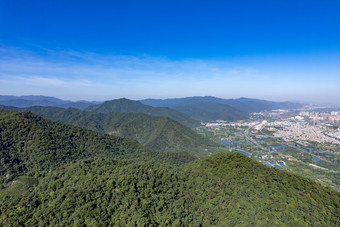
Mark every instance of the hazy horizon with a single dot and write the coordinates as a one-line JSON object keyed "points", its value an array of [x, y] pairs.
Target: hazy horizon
{"points": [[114, 98], [75, 50]]}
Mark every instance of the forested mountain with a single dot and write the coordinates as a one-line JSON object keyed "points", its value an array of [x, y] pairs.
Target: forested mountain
{"points": [[220, 190], [30, 145], [39, 100], [243, 104], [57, 174], [212, 111], [130, 106], [159, 133]]}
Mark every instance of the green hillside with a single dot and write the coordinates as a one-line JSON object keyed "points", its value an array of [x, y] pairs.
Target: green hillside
{"points": [[220, 190], [159, 133], [30, 144], [53, 174], [212, 111], [130, 106]]}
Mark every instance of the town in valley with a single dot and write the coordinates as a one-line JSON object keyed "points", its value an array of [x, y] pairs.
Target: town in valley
{"points": [[304, 141]]}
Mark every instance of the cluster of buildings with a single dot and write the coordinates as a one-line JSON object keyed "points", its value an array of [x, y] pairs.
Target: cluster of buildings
{"points": [[233, 124], [335, 135], [307, 125], [323, 116], [281, 123], [306, 132]]}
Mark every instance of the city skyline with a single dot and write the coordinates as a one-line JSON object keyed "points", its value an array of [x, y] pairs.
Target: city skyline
{"points": [[282, 51]]}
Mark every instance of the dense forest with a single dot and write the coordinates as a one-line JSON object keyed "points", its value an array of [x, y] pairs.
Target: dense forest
{"points": [[224, 189], [31, 144], [59, 175], [159, 133]]}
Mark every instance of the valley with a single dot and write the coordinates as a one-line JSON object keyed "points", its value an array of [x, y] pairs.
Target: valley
{"points": [[288, 142], [121, 168], [169, 113]]}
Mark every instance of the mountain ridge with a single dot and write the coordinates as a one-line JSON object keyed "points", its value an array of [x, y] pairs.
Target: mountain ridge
{"points": [[31, 143], [40, 100], [131, 106], [209, 111], [247, 105], [51, 170], [159, 133]]}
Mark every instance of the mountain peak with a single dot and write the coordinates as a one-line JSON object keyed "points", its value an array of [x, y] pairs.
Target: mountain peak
{"points": [[130, 106]]}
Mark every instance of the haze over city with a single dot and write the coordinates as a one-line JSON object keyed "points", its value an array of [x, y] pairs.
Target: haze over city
{"points": [[280, 51]]}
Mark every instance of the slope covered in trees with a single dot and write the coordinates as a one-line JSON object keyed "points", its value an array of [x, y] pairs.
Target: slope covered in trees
{"points": [[160, 133], [66, 175], [130, 106], [30, 145], [210, 111], [220, 190]]}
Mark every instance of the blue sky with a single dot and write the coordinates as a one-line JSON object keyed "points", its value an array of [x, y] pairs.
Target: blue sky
{"points": [[99, 50]]}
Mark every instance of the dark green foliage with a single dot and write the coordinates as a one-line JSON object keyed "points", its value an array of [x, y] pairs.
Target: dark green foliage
{"points": [[212, 111], [159, 133], [30, 144], [130, 106], [221, 190], [70, 176]]}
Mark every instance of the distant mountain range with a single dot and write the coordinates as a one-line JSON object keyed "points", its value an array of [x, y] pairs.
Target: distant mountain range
{"points": [[39, 100], [188, 111], [32, 98], [210, 111], [130, 106], [242, 104]]}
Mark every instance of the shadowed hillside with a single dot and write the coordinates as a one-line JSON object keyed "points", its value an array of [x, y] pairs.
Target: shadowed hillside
{"points": [[159, 133], [31, 144], [130, 106]]}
